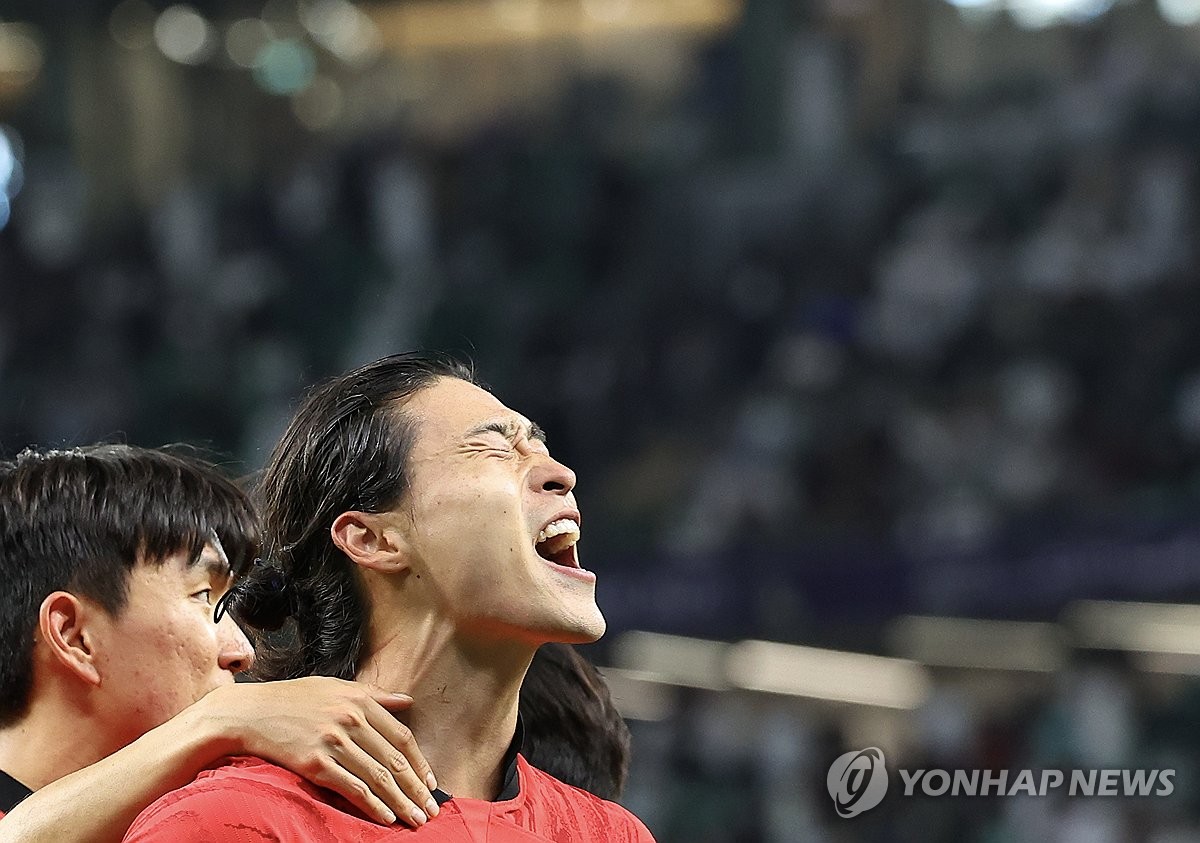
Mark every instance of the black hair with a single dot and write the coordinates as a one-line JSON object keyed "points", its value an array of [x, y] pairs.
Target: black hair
{"points": [[573, 730], [79, 520], [346, 449]]}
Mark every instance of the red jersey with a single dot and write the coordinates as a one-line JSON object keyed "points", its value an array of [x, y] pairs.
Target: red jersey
{"points": [[247, 800]]}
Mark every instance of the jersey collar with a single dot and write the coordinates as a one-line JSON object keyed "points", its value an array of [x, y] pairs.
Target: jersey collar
{"points": [[11, 792], [511, 787]]}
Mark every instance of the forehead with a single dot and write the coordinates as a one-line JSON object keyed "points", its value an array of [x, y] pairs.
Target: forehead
{"points": [[212, 560], [450, 408]]}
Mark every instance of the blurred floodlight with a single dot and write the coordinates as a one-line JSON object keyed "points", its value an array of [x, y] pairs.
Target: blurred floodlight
{"points": [[1039, 14], [183, 35], [21, 54], [973, 643], [131, 24], [342, 29], [9, 163], [607, 10], [1180, 12], [827, 674], [11, 172], [518, 15], [245, 39], [1136, 627], [464, 24], [319, 105], [638, 696], [285, 67], [691, 662], [857, 678]]}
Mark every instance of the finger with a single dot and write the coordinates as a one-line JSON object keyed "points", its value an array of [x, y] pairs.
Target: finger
{"points": [[333, 776], [361, 763], [390, 701], [401, 738]]}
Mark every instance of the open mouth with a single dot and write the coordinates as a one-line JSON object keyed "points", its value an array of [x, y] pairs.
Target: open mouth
{"points": [[556, 543]]}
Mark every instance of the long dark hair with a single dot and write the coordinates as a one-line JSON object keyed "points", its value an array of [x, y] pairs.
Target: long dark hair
{"points": [[573, 730], [346, 449]]}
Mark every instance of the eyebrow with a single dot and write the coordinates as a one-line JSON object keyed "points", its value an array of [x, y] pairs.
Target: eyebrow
{"points": [[510, 429], [219, 567]]}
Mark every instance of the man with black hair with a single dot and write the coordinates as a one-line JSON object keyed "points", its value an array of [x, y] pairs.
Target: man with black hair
{"points": [[572, 729], [418, 535], [113, 669]]}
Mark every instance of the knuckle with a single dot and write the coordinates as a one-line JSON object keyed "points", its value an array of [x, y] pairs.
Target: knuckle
{"points": [[398, 762], [314, 768], [348, 719], [381, 775]]}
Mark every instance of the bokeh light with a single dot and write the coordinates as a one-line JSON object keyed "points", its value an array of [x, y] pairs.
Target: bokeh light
{"points": [[11, 171], [1180, 12], [285, 67], [183, 35], [342, 29]]}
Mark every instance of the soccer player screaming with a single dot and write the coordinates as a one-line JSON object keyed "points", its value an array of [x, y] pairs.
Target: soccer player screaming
{"points": [[418, 535]]}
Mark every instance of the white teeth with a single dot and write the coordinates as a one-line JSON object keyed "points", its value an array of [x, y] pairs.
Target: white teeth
{"points": [[563, 526]]}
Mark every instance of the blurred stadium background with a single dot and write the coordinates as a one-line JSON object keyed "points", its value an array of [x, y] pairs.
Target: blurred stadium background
{"points": [[870, 327]]}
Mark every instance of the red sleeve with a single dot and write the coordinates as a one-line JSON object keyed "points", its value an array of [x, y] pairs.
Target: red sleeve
{"points": [[227, 812]]}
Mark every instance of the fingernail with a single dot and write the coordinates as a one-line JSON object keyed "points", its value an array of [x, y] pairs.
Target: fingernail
{"points": [[401, 697], [389, 816], [419, 816], [432, 807], [431, 781]]}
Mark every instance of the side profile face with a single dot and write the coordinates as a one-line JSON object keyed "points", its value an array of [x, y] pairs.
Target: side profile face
{"points": [[483, 491], [163, 651]]}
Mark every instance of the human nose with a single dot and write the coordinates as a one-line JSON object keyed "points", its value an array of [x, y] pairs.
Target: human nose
{"points": [[552, 476], [237, 653]]}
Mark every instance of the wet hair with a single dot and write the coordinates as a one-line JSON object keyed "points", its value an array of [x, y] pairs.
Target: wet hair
{"points": [[79, 520], [346, 449], [572, 729]]}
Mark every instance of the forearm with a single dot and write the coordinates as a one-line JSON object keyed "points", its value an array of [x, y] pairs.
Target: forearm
{"points": [[99, 802]]}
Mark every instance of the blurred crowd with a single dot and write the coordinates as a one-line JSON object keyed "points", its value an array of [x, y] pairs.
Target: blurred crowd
{"points": [[939, 312], [884, 282]]}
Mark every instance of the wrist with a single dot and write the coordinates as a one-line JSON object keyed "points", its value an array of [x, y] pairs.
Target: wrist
{"points": [[214, 733]]}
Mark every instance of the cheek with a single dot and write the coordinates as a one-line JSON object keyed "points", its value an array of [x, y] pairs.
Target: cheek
{"points": [[172, 657], [470, 515]]}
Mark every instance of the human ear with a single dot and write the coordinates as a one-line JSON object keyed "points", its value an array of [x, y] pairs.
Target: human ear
{"points": [[63, 621], [368, 540]]}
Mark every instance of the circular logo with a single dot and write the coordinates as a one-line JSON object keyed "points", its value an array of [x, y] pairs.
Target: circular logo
{"points": [[857, 781]]}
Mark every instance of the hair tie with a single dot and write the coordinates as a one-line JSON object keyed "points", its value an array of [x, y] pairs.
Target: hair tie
{"points": [[270, 586]]}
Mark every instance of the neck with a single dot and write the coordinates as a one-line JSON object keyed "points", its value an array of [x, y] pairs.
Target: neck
{"points": [[465, 696], [53, 740]]}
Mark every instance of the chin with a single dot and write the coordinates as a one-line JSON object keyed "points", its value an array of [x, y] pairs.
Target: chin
{"points": [[586, 629]]}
